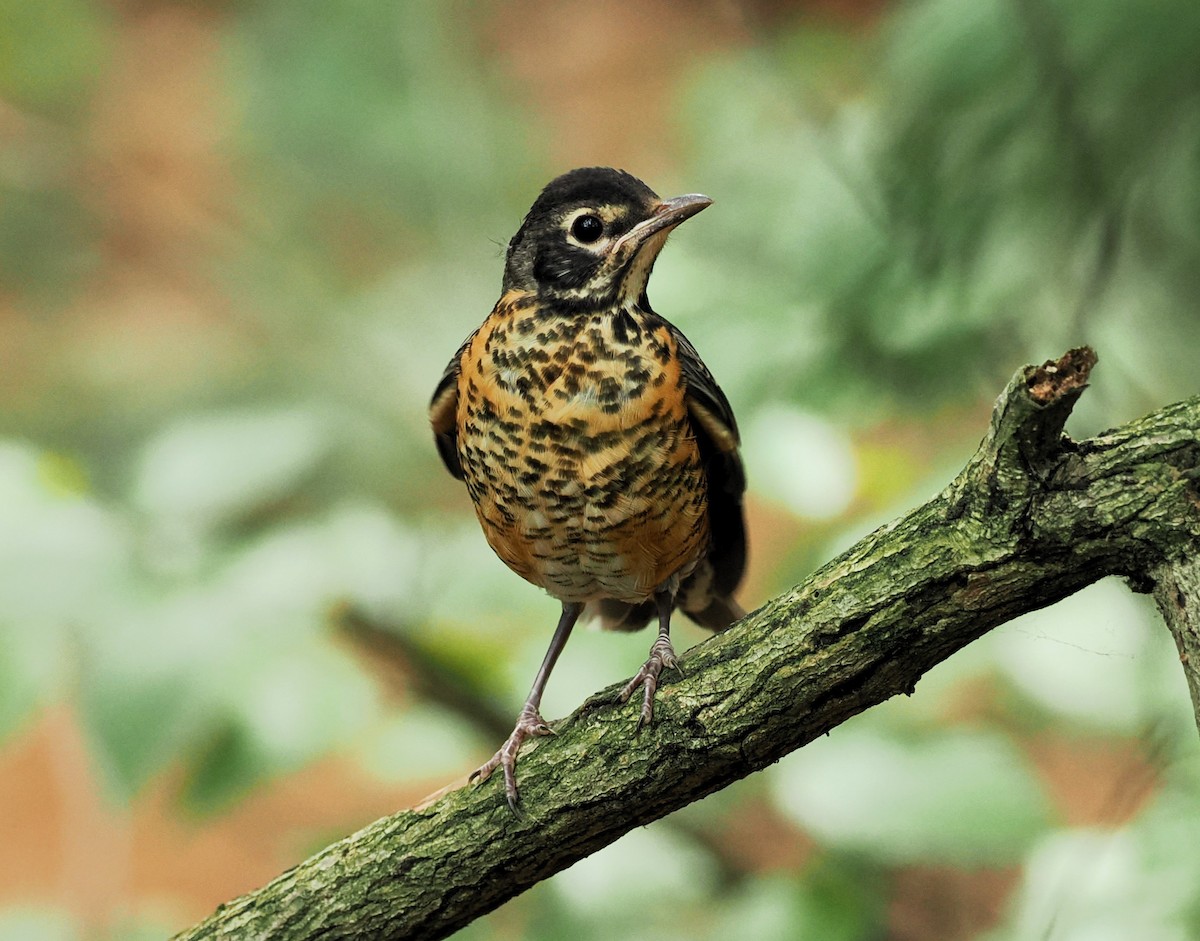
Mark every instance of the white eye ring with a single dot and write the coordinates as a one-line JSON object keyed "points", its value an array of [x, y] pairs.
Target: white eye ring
{"points": [[580, 226]]}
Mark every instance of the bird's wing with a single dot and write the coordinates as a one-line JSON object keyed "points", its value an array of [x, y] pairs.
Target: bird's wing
{"points": [[443, 412], [443, 407], [717, 435]]}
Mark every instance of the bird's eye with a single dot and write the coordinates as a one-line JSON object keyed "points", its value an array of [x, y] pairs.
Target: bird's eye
{"points": [[587, 228]]}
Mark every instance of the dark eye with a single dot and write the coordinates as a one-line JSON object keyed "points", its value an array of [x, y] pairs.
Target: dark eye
{"points": [[587, 228]]}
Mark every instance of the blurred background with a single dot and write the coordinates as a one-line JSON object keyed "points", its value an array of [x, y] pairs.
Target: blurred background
{"points": [[243, 609]]}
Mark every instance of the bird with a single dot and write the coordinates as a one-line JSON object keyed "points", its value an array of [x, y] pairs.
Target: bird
{"points": [[602, 458]]}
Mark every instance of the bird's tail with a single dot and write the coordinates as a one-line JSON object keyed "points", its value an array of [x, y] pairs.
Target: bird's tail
{"points": [[621, 615], [715, 612], [718, 614]]}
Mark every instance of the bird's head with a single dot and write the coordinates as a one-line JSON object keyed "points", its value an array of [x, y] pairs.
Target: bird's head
{"points": [[591, 238]]}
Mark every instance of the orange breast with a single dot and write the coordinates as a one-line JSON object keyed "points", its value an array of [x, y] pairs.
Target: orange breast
{"points": [[577, 450]]}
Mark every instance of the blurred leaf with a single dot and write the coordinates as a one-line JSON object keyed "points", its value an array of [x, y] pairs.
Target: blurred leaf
{"points": [[842, 900], [767, 909], [1082, 657], [232, 658], [45, 241], [145, 690], [622, 886], [361, 114], [421, 743], [65, 562], [50, 51], [63, 554], [1001, 180], [373, 560], [225, 768], [30, 668], [208, 471], [153, 927], [890, 474], [1088, 885], [283, 713], [801, 461], [29, 924], [965, 798], [904, 215], [834, 900]]}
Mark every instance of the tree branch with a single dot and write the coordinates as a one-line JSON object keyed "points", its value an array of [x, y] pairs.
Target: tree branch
{"points": [[1177, 592], [1033, 518], [403, 663]]}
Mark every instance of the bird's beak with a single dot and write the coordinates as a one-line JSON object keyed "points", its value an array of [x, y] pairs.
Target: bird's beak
{"points": [[668, 214]]}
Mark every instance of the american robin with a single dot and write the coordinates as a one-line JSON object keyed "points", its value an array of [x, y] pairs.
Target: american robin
{"points": [[601, 455]]}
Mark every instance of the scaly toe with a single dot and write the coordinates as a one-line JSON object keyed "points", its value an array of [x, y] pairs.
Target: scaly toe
{"points": [[529, 725], [662, 656]]}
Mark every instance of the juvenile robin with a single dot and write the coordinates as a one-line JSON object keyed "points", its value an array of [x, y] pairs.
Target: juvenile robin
{"points": [[600, 453]]}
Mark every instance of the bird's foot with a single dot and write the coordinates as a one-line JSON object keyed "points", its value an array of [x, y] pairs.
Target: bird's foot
{"points": [[529, 723], [662, 655]]}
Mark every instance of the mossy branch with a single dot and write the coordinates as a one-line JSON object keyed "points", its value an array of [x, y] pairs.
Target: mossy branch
{"points": [[1033, 518]]}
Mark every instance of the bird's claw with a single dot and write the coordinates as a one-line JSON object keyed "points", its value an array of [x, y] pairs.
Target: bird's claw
{"points": [[662, 655], [529, 724]]}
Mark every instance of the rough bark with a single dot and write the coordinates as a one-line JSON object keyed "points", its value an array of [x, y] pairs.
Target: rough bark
{"points": [[1177, 592], [1033, 518]]}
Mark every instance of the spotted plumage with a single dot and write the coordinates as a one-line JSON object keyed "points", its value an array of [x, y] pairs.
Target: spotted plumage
{"points": [[600, 454]]}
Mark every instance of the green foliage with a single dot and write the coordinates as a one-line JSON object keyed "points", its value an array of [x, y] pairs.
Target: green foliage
{"points": [[960, 798], [50, 53], [209, 471], [838, 899], [1137, 881], [18, 924], [62, 557], [373, 124], [1004, 179], [39, 220], [34, 924], [902, 217]]}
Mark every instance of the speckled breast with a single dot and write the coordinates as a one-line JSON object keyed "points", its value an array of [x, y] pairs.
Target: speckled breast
{"points": [[574, 439]]}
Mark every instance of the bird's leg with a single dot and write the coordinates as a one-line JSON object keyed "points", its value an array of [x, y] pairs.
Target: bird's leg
{"points": [[662, 654], [530, 721]]}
